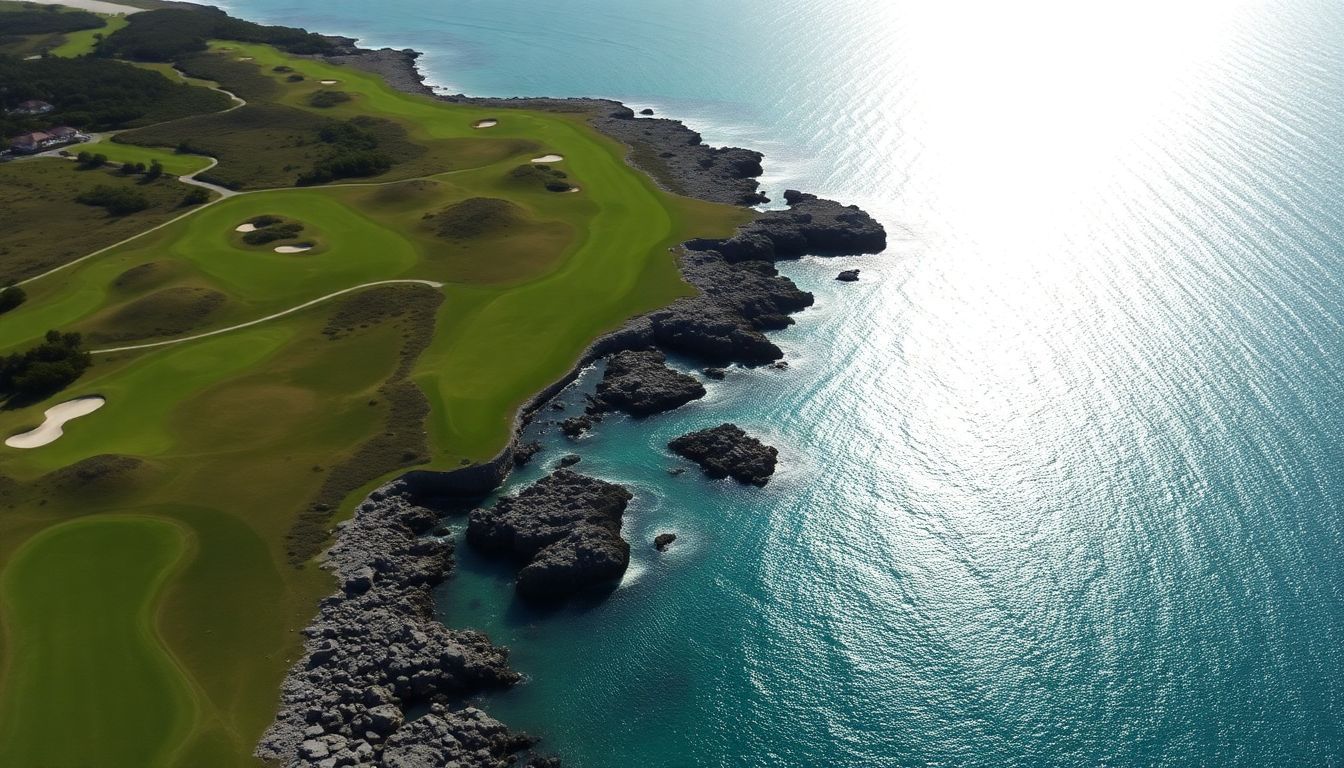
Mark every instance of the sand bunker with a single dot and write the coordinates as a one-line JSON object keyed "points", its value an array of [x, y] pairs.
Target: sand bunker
{"points": [[56, 416], [248, 227], [293, 248], [244, 58], [328, 82], [485, 123], [570, 191], [548, 159]]}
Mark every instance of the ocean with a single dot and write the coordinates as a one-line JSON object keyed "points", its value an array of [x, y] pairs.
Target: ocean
{"points": [[1062, 475]]}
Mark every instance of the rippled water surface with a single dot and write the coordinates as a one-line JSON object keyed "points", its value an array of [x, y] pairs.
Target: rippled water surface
{"points": [[1062, 474]]}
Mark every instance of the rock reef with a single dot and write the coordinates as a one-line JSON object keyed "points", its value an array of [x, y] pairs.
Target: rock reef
{"points": [[639, 383], [564, 529], [376, 650], [728, 451]]}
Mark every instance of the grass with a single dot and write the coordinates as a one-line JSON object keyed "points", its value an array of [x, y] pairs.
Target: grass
{"points": [[84, 654], [252, 441], [45, 227], [81, 43]]}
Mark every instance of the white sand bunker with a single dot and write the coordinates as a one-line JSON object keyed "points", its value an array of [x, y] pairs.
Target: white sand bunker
{"points": [[328, 82], [570, 191], [293, 248], [548, 159], [487, 123], [244, 58], [248, 227], [56, 417]]}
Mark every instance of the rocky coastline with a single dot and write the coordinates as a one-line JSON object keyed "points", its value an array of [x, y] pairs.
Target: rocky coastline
{"points": [[376, 654]]}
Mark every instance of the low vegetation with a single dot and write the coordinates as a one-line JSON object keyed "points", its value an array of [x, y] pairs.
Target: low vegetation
{"points": [[325, 99], [46, 20], [117, 201], [11, 298]]}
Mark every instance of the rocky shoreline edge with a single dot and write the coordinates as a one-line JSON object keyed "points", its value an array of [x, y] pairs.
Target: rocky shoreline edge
{"points": [[376, 655]]}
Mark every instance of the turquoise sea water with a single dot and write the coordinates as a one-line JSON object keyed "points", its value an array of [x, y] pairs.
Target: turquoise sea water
{"points": [[1063, 475]]}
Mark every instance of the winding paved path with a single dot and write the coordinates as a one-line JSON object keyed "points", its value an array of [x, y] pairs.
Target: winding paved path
{"points": [[260, 320]]}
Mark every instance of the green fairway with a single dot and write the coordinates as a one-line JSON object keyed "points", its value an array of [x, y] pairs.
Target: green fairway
{"points": [[88, 681], [254, 441], [82, 42], [173, 162]]}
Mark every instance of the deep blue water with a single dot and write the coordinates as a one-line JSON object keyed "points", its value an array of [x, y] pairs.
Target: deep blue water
{"points": [[1063, 474]]}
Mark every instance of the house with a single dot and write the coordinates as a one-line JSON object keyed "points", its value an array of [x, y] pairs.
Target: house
{"points": [[30, 142], [32, 107], [40, 141]]}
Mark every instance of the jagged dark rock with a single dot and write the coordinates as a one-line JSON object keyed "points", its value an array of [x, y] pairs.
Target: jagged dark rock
{"points": [[639, 383], [676, 471], [661, 541], [728, 451], [376, 648], [569, 460], [523, 454], [848, 276], [575, 426], [646, 111], [718, 374], [565, 529]]}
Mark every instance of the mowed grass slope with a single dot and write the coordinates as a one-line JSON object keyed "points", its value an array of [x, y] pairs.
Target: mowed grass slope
{"points": [[250, 442], [76, 585]]}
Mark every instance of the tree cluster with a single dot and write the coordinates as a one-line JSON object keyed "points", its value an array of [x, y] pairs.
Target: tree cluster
{"points": [[45, 369], [95, 94], [355, 155], [169, 33], [46, 21], [117, 201]]}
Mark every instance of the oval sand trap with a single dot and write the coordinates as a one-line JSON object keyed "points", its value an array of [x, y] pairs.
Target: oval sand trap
{"points": [[329, 82], [548, 159], [244, 58], [248, 227], [487, 123], [293, 248], [56, 417]]}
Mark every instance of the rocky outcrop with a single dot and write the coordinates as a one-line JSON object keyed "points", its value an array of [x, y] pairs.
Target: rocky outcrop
{"points": [[639, 383], [575, 426], [376, 650], [848, 276], [397, 67], [564, 529], [569, 460], [523, 454], [728, 451], [663, 540]]}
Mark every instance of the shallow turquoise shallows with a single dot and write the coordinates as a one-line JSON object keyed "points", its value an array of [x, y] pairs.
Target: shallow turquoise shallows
{"points": [[1063, 473]]}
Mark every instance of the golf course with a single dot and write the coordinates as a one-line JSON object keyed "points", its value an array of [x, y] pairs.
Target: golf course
{"points": [[372, 283]]}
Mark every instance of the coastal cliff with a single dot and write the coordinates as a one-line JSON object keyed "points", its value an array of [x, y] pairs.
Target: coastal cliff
{"points": [[376, 651]]}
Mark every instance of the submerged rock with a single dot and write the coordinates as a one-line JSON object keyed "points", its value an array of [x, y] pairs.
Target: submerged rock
{"points": [[565, 529], [646, 111], [569, 460], [661, 541], [718, 374], [640, 384], [728, 451], [575, 426], [848, 276]]}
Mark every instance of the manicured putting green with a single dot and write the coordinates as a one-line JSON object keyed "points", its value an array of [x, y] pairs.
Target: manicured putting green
{"points": [[88, 681]]}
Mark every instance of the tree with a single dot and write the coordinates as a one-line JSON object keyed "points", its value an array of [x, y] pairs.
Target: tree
{"points": [[11, 297], [197, 196], [155, 171]]}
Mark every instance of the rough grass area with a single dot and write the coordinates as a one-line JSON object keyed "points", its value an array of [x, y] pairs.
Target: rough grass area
{"points": [[163, 313], [43, 225], [401, 442], [475, 217]]}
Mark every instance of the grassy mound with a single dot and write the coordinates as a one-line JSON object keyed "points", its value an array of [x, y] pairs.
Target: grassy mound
{"points": [[142, 277], [102, 477], [165, 312], [477, 217]]}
